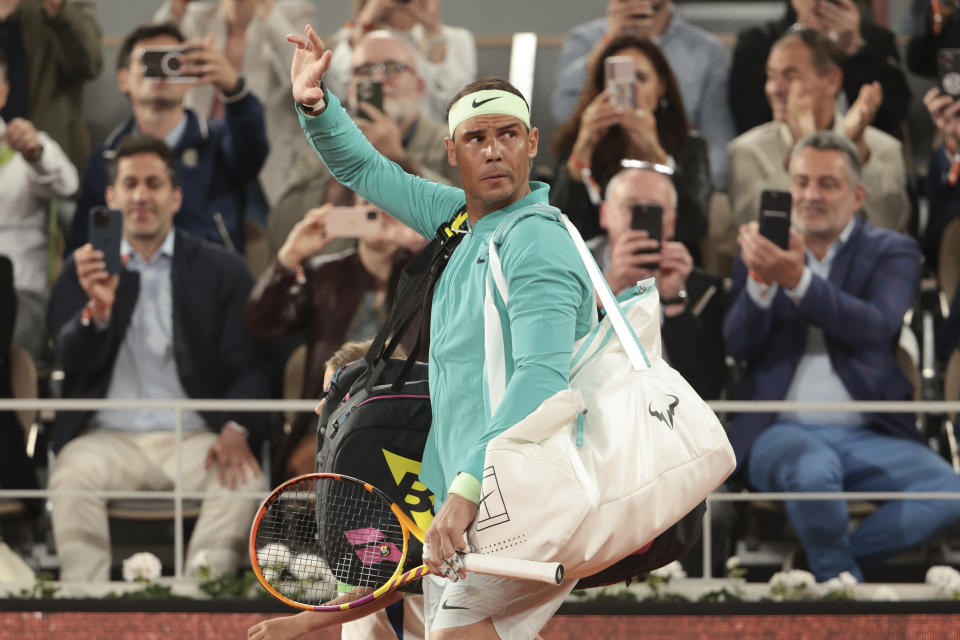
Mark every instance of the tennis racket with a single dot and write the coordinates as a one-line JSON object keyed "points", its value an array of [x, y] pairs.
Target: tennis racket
{"points": [[329, 542]]}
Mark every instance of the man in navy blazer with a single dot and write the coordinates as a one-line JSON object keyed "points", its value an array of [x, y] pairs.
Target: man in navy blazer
{"points": [[167, 326], [819, 322], [217, 158]]}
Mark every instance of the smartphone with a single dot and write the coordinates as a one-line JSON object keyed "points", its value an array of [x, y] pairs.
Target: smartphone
{"points": [[371, 92], [775, 207], [621, 79], [948, 72], [166, 63], [649, 218], [353, 222], [104, 231]]}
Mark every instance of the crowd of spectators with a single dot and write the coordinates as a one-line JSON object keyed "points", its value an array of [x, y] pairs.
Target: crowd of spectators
{"points": [[814, 103]]}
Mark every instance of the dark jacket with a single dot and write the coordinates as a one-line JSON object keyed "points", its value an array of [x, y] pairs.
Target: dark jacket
{"points": [[923, 46], [860, 307], [943, 200], [217, 159], [692, 181], [878, 60], [693, 340], [62, 55], [16, 469], [215, 357], [324, 305]]}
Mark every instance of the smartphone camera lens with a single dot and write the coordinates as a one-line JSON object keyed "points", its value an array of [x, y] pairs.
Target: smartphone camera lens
{"points": [[101, 218]]}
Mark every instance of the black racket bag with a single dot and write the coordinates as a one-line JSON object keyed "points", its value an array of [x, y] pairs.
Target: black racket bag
{"points": [[377, 414]]}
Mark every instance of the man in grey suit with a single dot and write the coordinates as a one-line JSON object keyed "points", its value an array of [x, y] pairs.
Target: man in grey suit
{"points": [[803, 80]]}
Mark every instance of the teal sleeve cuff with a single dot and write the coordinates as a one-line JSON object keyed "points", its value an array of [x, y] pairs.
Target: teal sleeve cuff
{"points": [[466, 486]]}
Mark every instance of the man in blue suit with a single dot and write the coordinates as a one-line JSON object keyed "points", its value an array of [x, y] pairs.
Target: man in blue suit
{"points": [[819, 322]]}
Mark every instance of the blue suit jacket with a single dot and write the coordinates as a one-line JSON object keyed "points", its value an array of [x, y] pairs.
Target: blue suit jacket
{"points": [[216, 160], [215, 357], [860, 308]]}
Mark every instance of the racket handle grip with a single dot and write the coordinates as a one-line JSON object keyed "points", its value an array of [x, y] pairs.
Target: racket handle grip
{"points": [[549, 572]]}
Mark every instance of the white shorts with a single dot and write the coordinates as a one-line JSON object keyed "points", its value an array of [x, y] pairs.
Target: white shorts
{"points": [[376, 626], [518, 608]]}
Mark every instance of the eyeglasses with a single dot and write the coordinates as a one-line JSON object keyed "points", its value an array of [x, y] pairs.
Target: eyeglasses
{"points": [[390, 67], [665, 169]]}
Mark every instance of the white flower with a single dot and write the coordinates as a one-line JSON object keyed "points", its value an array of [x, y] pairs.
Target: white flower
{"points": [[847, 579], [733, 562], [670, 571], [307, 566], [290, 588], [271, 575], [833, 584], [778, 580], [792, 585], [945, 579], [885, 593], [799, 579], [141, 566], [200, 560], [274, 555]]}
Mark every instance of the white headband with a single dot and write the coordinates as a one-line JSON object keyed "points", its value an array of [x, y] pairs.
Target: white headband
{"points": [[488, 102]]}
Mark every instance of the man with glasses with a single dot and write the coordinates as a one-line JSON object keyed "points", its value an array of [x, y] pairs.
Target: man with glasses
{"points": [[399, 130], [693, 300]]}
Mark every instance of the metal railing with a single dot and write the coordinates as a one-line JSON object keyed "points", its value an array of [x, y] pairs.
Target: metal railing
{"points": [[178, 495]]}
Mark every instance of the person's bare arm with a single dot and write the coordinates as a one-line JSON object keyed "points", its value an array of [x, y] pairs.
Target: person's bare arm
{"points": [[302, 625]]}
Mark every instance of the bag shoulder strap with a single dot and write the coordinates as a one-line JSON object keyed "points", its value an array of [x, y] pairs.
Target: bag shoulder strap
{"points": [[626, 334], [496, 239], [412, 298]]}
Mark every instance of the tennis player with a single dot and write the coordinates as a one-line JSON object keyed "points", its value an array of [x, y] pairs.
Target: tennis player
{"points": [[551, 304]]}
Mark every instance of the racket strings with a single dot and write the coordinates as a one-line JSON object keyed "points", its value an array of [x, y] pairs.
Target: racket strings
{"points": [[324, 541]]}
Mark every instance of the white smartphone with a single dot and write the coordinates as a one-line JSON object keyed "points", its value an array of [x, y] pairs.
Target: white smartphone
{"points": [[621, 79], [353, 222]]}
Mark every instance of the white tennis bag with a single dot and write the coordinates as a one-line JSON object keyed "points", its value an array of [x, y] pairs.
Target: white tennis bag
{"points": [[603, 468]]}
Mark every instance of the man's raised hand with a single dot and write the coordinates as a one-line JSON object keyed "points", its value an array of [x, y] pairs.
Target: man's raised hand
{"points": [[310, 62]]}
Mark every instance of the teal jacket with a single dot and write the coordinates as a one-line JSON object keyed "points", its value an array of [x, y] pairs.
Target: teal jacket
{"points": [[551, 301]]}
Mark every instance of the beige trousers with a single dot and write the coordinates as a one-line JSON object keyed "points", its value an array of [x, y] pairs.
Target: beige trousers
{"points": [[108, 460]]}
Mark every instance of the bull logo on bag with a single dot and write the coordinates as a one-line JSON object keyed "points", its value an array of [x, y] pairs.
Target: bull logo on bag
{"points": [[665, 416]]}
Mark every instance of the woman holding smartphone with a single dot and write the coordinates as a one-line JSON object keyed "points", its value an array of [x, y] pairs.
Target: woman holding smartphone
{"points": [[604, 131]]}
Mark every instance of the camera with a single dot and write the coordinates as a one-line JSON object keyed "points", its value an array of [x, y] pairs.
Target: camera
{"points": [[948, 72], [165, 63]]}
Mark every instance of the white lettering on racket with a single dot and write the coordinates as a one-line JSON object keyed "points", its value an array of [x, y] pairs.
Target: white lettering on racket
{"points": [[367, 544]]}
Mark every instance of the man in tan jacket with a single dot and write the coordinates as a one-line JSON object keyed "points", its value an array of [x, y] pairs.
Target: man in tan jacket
{"points": [[803, 80], [400, 131]]}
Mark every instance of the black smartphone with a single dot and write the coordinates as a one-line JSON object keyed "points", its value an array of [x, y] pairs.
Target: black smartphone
{"points": [[104, 231], [371, 92], [166, 63], [649, 218], [775, 207], [948, 72]]}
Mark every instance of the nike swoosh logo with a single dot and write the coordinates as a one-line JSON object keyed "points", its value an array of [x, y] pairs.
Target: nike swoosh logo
{"points": [[448, 607], [477, 105], [480, 260]]}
